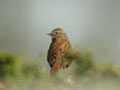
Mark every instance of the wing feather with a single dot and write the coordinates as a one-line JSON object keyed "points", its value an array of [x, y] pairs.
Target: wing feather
{"points": [[59, 49]]}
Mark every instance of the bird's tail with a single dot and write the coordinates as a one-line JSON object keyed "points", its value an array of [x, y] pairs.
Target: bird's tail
{"points": [[53, 72], [55, 69]]}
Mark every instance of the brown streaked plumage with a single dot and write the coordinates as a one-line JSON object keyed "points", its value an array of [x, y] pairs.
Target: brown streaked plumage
{"points": [[60, 51]]}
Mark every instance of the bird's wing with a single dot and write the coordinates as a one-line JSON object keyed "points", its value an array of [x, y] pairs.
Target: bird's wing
{"points": [[55, 52]]}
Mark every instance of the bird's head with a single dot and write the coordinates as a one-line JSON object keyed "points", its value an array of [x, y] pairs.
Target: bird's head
{"points": [[58, 33]]}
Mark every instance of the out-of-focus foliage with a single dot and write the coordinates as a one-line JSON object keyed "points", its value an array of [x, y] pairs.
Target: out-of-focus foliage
{"points": [[84, 61], [85, 67], [10, 65], [17, 70]]}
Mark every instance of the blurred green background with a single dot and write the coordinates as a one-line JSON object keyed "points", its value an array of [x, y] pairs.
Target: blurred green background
{"points": [[18, 72]]}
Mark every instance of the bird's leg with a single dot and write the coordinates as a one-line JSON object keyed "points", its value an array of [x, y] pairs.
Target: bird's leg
{"points": [[66, 74]]}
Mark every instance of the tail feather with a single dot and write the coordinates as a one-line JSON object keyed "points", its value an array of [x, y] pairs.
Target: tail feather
{"points": [[56, 68]]}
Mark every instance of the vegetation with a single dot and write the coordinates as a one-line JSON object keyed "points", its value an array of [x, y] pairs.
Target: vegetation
{"points": [[19, 71]]}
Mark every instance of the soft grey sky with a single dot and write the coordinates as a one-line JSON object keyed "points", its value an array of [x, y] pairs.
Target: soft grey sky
{"points": [[93, 24]]}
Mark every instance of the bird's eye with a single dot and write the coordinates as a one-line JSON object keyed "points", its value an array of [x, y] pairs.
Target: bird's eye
{"points": [[56, 32]]}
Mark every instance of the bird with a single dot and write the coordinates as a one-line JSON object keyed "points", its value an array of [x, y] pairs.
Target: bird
{"points": [[60, 53]]}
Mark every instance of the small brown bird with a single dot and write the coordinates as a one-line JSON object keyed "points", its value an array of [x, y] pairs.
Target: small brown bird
{"points": [[60, 53]]}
